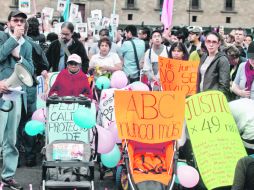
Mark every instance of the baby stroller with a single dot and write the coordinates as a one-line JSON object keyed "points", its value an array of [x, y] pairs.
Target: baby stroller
{"points": [[67, 160], [148, 166]]}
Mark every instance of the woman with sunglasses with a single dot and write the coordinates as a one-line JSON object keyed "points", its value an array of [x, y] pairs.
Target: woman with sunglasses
{"points": [[71, 81], [214, 69]]}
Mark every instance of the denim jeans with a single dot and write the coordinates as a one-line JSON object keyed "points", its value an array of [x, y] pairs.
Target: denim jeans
{"points": [[8, 133]]}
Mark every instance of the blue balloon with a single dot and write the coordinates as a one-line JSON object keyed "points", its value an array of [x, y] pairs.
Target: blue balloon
{"points": [[112, 158], [84, 117], [102, 82], [34, 127], [181, 164]]}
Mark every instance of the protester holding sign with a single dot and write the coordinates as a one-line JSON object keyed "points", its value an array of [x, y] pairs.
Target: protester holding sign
{"points": [[178, 51], [71, 81], [150, 67], [214, 69]]}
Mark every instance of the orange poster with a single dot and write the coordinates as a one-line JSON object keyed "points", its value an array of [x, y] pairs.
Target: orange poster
{"points": [[178, 75], [149, 117]]}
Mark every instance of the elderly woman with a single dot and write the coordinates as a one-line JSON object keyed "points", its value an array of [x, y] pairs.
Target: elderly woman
{"points": [[71, 81], [105, 61], [214, 69], [243, 85]]}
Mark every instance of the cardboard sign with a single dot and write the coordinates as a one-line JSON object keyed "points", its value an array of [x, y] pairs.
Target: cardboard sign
{"points": [[60, 123], [149, 117], [106, 113], [178, 75], [215, 139]]}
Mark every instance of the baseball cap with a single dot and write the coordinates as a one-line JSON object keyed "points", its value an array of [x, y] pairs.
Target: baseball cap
{"points": [[74, 57], [196, 30], [16, 13]]}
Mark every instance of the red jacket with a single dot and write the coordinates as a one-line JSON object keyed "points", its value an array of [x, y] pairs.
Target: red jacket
{"points": [[68, 84]]}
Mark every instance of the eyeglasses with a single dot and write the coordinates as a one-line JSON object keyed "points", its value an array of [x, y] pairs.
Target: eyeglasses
{"points": [[211, 42], [16, 20]]}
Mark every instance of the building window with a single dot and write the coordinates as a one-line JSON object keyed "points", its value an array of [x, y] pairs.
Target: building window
{"points": [[130, 3], [229, 5], [228, 19], [130, 16], [195, 4], [194, 18]]}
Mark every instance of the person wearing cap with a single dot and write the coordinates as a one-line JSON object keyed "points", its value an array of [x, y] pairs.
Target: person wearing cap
{"points": [[14, 48], [194, 39], [71, 81], [243, 85]]}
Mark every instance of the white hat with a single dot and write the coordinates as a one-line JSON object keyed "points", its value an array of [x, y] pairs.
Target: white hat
{"points": [[74, 57]]}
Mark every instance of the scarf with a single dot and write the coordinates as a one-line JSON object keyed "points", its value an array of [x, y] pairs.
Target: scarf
{"points": [[249, 75]]}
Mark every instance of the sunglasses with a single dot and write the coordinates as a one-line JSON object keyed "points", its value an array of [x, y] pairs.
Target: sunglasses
{"points": [[16, 20], [211, 42], [73, 63]]}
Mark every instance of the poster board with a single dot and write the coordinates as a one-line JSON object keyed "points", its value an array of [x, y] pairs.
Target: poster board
{"points": [[60, 125], [81, 28], [214, 136], [178, 75], [149, 117]]}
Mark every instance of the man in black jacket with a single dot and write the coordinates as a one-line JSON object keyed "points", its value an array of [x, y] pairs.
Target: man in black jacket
{"points": [[59, 50]]}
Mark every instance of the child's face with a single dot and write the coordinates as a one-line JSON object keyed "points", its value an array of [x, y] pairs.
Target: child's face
{"points": [[177, 53]]}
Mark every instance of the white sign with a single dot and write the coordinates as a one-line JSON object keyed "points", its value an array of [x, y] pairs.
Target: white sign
{"points": [[25, 6]]}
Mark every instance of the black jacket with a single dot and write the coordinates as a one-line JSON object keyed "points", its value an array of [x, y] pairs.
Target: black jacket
{"points": [[53, 54], [217, 75]]}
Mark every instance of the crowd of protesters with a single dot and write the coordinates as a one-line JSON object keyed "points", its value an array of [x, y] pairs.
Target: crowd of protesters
{"points": [[226, 64]]}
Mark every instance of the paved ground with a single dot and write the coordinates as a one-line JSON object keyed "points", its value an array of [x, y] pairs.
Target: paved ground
{"points": [[32, 175]]}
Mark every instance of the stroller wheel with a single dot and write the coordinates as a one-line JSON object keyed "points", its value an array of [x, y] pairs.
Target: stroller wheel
{"points": [[121, 178]]}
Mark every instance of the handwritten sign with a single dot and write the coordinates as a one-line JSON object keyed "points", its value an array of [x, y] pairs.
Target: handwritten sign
{"points": [[215, 139], [60, 123], [106, 113], [178, 75], [149, 117], [40, 86]]}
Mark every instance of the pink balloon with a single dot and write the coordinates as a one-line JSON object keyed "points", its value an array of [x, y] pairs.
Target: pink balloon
{"points": [[113, 129], [106, 141], [139, 86], [40, 115], [118, 80], [188, 176]]}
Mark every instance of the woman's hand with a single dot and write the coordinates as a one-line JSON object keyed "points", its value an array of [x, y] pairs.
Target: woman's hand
{"points": [[245, 93]]}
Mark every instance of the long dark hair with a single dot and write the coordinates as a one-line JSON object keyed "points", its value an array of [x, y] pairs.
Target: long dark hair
{"points": [[181, 47]]}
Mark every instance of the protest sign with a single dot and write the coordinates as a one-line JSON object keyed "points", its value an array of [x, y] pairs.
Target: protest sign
{"points": [[60, 124], [47, 13], [214, 136], [61, 4], [106, 113], [178, 75], [68, 151], [81, 28], [25, 6], [149, 117]]}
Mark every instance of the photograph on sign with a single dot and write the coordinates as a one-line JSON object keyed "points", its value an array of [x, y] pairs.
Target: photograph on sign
{"points": [[61, 5], [25, 6]]}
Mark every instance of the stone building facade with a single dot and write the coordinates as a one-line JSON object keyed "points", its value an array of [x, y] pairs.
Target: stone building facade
{"points": [[228, 13]]}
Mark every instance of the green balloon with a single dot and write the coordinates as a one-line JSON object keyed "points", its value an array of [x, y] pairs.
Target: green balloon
{"points": [[84, 117], [112, 158], [34, 127]]}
